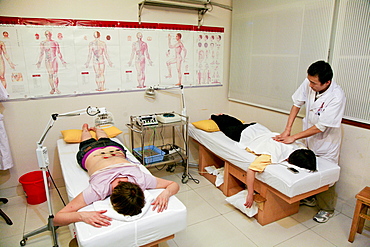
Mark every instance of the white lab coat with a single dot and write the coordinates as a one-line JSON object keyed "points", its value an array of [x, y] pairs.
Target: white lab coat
{"points": [[6, 161], [326, 114], [3, 93]]}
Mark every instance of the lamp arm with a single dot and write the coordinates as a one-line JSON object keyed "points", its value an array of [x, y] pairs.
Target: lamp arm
{"points": [[181, 87], [42, 151], [47, 129], [91, 111], [52, 120]]}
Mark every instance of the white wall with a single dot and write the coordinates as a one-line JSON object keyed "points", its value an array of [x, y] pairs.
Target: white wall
{"points": [[26, 120], [354, 156]]}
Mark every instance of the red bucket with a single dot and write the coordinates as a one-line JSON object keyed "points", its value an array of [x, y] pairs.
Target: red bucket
{"points": [[33, 187]]}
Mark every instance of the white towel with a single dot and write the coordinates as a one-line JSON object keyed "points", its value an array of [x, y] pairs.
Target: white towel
{"points": [[238, 201], [107, 205], [259, 139], [218, 172], [6, 161]]}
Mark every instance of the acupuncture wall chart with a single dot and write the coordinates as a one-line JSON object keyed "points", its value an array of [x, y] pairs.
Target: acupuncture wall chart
{"points": [[51, 57]]}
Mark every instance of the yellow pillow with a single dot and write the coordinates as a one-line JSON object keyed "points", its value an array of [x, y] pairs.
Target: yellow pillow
{"points": [[112, 131], [74, 135], [206, 125]]}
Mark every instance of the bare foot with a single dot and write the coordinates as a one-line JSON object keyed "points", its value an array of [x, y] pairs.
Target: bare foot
{"points": [[85, 126]]}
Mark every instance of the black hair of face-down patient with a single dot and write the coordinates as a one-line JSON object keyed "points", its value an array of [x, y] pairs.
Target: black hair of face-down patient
{"points": [[303, 158]]}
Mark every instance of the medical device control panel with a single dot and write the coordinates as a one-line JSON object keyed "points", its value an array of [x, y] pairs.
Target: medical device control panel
{"points": [[147, 120], [168, 117]]}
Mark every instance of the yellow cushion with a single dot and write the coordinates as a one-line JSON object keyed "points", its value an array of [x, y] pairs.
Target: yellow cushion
{"points": [[112, 131], [206, 125], [74, 135]]}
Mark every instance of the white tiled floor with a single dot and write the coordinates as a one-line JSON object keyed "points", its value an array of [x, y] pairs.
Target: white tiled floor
{"points": [[211, 222]]}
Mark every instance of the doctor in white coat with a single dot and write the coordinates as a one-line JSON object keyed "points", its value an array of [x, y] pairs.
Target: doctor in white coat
{"points": [[325, 103]]}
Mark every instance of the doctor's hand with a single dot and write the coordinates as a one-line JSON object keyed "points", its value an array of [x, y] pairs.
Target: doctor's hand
{"points": [[286, 140], [286, 133], [95, 218], [161, 202]]}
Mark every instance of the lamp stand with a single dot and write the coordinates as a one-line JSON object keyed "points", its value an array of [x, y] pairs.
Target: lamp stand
{"points": [[50, 226], [43, 160]]}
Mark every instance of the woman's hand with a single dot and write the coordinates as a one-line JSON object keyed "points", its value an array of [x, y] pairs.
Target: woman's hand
{"points": [[171, 188], [161, 202], [95, 218], [249, 201]]}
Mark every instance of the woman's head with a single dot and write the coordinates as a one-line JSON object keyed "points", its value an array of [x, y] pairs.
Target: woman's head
{"points": [[303, 158], [127, 198]]}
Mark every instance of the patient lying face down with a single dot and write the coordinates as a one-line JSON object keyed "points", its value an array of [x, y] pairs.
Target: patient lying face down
{"points": [[111, 174], [257, 139]]}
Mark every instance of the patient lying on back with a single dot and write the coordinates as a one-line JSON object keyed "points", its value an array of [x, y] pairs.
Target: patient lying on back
{"points": [[111, 174], [257, 139]]}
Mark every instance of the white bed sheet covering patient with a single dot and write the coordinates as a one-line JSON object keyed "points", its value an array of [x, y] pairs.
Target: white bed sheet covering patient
{"points": [[275, 175], [148, 228]]}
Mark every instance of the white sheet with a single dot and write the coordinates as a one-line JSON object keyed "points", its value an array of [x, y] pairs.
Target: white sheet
{"points": [[152, 226], [277, 176], [258, 138]]}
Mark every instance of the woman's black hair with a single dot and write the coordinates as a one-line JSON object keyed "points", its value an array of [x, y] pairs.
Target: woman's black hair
{"points": [[303, 158]]}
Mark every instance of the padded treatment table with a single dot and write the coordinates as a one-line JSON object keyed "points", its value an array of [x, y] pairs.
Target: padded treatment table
{"points": [[279, 189], [152, 228]]}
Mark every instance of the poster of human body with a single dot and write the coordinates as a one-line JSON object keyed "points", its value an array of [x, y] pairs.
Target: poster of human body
{"points": [[50, 60], [176, 57], [98, 62], [140, 58], [12, 64]]}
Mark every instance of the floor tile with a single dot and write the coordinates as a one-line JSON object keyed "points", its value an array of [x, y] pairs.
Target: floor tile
{"points": [[161, 171], [305, 216], [336, 230], [176, 177], [215, 232], [202, 181], [10, 241], [306, 239], [215, 198], [40, 240], [277, 232], [198, 209], [15, 209]]}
